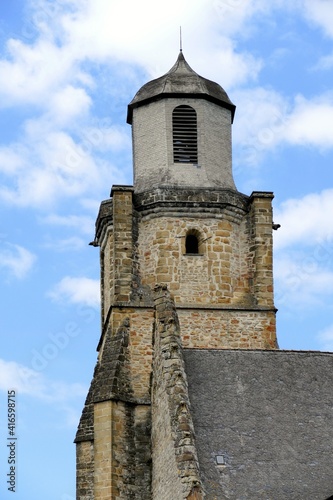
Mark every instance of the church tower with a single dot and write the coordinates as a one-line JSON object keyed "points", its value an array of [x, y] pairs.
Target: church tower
{"points": [[184, 227]]}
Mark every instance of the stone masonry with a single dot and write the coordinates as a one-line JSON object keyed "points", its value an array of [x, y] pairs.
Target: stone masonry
{"points": [[135, 439], [152, 147], [224, 299], [175, 462]]}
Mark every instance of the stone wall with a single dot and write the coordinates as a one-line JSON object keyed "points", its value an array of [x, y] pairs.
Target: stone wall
{"points": [[130, 453], [123, 243], [85, 470], [175, 463], [115, 423], [102, 450], [228, 284], [218, 275], [228, 329], [224, 298], [153, 147], [107, 273], [261, 250], [225, 292]]}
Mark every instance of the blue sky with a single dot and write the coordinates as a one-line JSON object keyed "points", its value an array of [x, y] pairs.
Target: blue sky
{"points": [[68, 69]]}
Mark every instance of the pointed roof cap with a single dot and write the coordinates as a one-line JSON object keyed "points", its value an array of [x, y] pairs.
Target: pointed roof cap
{"points": [[180, 81]]}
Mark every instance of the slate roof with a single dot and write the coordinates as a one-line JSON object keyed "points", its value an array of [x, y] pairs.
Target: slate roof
{"points": [[267, 417], [180, 81]]}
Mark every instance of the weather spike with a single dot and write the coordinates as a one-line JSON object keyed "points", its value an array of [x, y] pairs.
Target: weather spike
{"points": [[180, 39]]}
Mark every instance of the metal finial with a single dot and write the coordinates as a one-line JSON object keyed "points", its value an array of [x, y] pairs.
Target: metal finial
{"points": [[180, 39]]}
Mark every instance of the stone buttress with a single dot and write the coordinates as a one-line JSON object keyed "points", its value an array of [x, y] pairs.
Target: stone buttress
{"points": [[184, 226]]}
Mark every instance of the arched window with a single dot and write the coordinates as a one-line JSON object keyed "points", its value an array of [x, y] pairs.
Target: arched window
{"points": [[184, 135], [191, 244]]}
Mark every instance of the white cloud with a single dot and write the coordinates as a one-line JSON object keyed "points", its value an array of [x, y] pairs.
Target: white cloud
{"points": [[96, 29], [108, 138], [310, 122], [53, 166], [307, 221], [67, 245], [27, 381], [33, 72], [21, 378], [17, 260], [260, 119], [266, 119], [33, 384], [54, 70], [84, 224], [304, 273], [320, 12], [48, 164], [77, 291], [93, 31], [302, 281], [68, 103], [324, 62], [11, 162], [325, 338], [226, 65]]}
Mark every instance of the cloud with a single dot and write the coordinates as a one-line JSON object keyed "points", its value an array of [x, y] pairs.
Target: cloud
{"points": [[32, 72], [68, 103], [51, 166], [21, 378], [324, 62], [11, 162], [96, 29], [17, 260], [67, 245], [303, 264], [307, 221], [320, 12], [82, 223], [226, 65], [310, 122], [75, 34], [260, 119], [63, 152], [301, 281], [28, 382], [77, 291], [108, 138], [325, 338], [266, 119]]}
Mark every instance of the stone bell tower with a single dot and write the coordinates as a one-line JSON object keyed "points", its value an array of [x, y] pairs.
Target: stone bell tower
{"points": [[185, 226]]}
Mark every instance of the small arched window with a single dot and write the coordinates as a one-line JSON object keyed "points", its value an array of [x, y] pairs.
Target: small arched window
{"points": [[184, 135], [191, 244]]}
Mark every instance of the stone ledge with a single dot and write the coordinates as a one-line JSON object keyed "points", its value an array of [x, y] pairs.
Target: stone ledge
{"points": [[116, 397], [122, 188], [188, 196], [134, 305], [261, 194]]}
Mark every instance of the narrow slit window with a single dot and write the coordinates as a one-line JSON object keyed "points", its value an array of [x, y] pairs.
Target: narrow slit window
{"points": [[185, 135], [191, 244]]}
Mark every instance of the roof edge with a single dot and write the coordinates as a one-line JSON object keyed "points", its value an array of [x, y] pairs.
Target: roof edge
{"points": [[167, 95]]}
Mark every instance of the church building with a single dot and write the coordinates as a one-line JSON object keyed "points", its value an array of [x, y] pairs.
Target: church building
{"points": [[191, 397]]}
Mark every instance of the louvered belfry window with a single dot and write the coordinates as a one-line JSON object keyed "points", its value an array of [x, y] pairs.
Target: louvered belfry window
{"points": [[185, 135]]}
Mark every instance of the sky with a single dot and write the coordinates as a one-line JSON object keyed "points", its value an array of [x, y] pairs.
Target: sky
{"points": [[68, 69]]}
